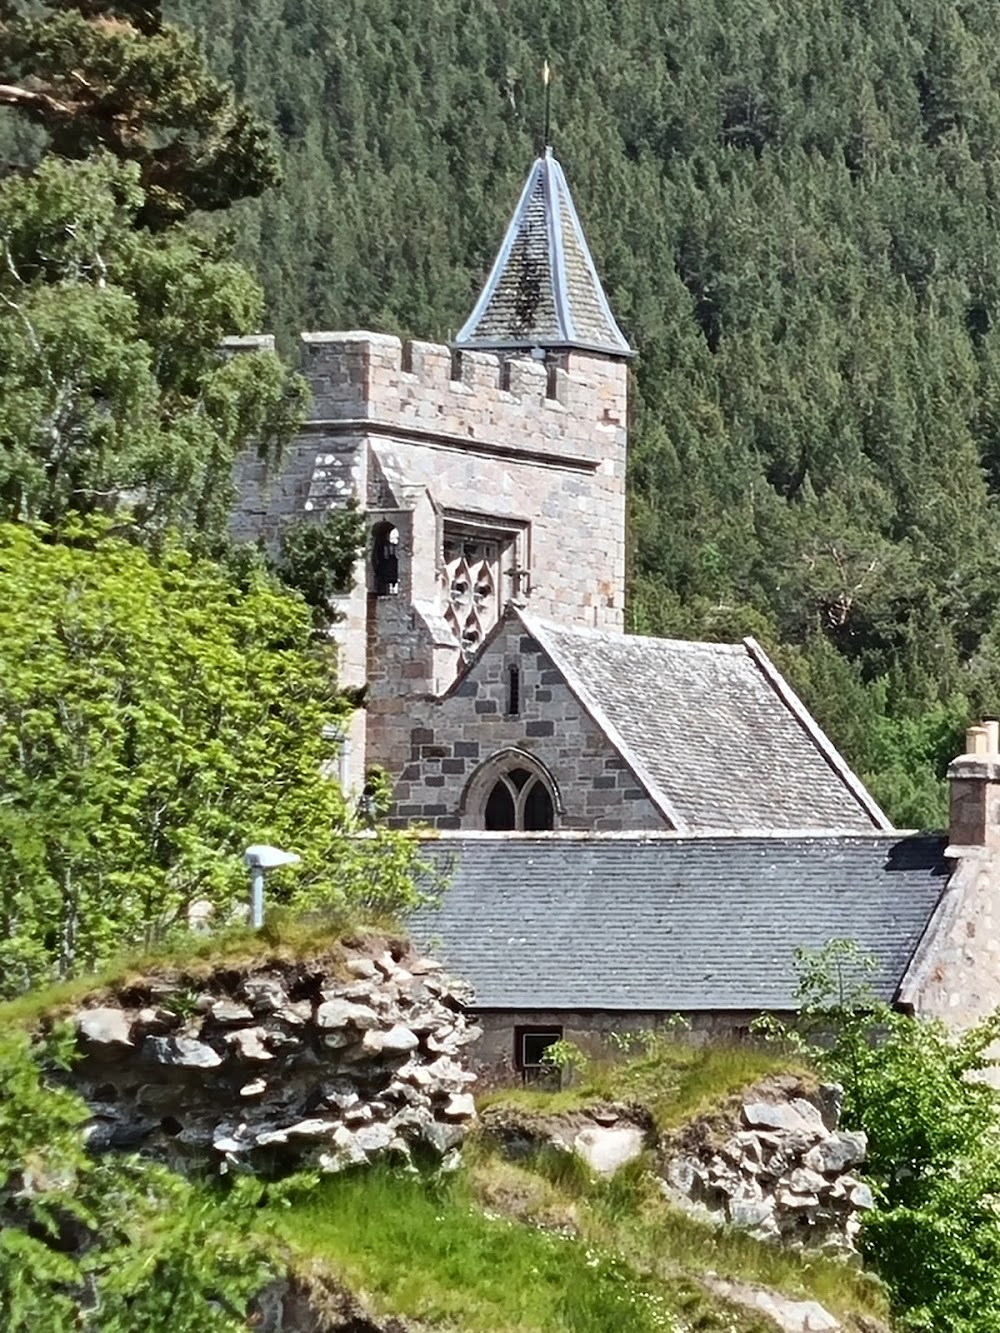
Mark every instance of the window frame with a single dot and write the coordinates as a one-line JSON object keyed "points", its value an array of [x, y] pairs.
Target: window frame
{"points": [[536, 1071], [498, 767]]}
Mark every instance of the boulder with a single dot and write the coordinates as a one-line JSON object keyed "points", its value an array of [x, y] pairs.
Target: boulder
{"points": [[248, 1045], [104, 1028], [460, 1106], [185, 1052], [399, 1040], [833, 1155], [606, 1148], [229, 1012], [336, 1014], [789, 1316], [263, 994]]}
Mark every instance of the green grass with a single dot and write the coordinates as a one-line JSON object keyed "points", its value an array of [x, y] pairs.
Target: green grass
{"points": [[674, 1080], [628, 1214], [192, 958], [425, 1249]]}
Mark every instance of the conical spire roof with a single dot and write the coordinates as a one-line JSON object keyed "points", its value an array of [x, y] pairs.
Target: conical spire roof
{"points": [[543, 290]]}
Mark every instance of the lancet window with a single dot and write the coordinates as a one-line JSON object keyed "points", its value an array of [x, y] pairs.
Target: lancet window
{"points": [[519, 801]]}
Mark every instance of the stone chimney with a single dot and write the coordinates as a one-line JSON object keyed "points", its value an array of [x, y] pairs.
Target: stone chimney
{"points": [[975, 791]]}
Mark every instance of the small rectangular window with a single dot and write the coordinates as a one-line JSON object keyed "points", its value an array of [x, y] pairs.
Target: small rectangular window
{"points": [[530, 1045], [513, 691]]}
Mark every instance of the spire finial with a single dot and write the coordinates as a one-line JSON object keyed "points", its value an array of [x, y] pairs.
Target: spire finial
{"points": [[547, 81]]}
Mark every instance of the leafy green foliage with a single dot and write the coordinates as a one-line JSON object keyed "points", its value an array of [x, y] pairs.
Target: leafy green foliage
{"points": [[114, 395], [114, 76], [155, 719], [933, 1126], [318, 559], [113, 1245]]}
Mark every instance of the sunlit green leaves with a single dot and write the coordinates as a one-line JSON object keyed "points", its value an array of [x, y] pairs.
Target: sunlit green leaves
{"points": [[156, 717]]}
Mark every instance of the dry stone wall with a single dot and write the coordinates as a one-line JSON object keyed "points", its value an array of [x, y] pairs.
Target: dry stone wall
{"points": [[780, 1168], [330, 1063]]}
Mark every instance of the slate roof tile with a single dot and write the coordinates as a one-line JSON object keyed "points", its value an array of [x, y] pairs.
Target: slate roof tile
{"points": [[543, 290], [717, 737], [667, 924]]}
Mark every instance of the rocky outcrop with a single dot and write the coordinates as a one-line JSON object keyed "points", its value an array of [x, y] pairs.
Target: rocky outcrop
{"points": [[315, 1302], [606, 1135], [777, 1166], [329, 1062]]}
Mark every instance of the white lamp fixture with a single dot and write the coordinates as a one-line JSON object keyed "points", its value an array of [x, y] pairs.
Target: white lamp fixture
{"points": [[261, 857]]}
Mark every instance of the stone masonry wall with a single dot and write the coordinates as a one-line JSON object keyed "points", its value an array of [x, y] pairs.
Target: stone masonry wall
{"points": [[424, 439], [955, 975], [493, 1053], [327, 1062], [444, 742]]}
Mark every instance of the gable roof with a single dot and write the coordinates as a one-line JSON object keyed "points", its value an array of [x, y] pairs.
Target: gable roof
{"points": [[712, 731], [543, 289], [666, 923]]}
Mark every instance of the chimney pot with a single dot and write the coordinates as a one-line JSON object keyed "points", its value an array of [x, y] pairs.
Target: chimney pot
{"points": [[977, 740], [992, 728]]}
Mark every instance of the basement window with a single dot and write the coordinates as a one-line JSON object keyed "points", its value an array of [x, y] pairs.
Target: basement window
{"points": [[530, 1045]]}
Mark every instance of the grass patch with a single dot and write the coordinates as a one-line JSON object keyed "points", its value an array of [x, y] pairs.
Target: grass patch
{"points": [[652, 1233], [627, 1214], [673, 1079], [423, 1248], [283, 941]]}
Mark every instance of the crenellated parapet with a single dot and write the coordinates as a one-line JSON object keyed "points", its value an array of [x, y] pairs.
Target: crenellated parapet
{"points": [[572, 407]]}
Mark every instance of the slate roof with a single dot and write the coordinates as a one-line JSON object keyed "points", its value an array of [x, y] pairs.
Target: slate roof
{"points": [[543, 290], [713, 732], [555, 923]]}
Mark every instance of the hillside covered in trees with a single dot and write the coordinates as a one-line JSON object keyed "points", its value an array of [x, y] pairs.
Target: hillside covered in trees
{"points": [[793, 204]]}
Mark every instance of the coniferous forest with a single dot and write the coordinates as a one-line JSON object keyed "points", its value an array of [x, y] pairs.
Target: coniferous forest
{"points": [[794, 207]]}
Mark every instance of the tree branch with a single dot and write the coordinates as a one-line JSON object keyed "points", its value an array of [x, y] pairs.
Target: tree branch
{"points": [[12, 95]]}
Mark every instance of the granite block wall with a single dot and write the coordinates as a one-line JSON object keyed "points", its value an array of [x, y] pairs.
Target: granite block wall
{"points": [[428, 441], [448, 743]]}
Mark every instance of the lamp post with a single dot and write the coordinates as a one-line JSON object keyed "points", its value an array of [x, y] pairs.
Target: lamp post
{"points": [[261, 857]]}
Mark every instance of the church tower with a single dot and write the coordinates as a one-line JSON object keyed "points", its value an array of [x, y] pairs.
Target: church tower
{"points": [[493, 470], [498, 474]]}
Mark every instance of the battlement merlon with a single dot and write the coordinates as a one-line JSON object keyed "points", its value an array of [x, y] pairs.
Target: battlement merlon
{"points": [[572, 412]]}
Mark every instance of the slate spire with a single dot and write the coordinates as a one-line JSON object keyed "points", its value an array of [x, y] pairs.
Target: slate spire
{"points": [[543, 291]]}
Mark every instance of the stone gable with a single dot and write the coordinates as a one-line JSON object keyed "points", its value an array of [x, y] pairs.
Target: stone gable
{"points": [[451, 742]]}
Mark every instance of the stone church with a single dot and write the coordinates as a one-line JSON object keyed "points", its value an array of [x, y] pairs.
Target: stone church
{"points": [[487, 623], [630, 826]]}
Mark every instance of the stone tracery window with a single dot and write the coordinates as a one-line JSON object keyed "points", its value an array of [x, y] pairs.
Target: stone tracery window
{"points": [[474, 586], [511, 792], [519, 801]]}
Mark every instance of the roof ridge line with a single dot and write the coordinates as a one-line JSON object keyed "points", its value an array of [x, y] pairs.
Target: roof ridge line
{"points": [[816, 734], [692, 835], [560, 294], [587, 631], [583, 695]]}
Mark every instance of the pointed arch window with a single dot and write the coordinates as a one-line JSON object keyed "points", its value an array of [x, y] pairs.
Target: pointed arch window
{"points": [[519, 801]]}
